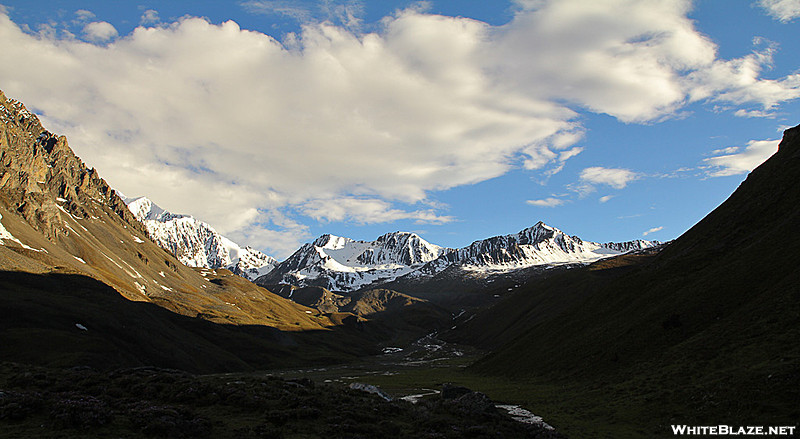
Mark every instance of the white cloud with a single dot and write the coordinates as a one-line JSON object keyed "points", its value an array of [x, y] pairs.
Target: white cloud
{"points": [[783, 10], [728, 150], [653, 230], [99, 31], [738, 80], [230, 125], [546, 202], [84, 15], [604, 199], [366, 211], [620, 57], [150, 17], [615, 177], [293, 9], [195, 108], [754, 113], [347, 13], [732, 163]]}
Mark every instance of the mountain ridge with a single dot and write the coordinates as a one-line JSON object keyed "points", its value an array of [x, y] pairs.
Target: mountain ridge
{"points": [[196, 243], [59, 216], [346, 265]]}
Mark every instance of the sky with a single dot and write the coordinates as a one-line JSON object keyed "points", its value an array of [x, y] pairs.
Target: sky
{"points": [[277, 121]]}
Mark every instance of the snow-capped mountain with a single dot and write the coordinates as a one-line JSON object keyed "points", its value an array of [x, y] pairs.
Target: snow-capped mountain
{"points": [[197, 244], [537, 245], [342, 264]]}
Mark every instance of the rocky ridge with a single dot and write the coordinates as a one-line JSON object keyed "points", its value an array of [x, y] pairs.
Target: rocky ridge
{"points": [[345, 265], [58, 216], [197, 244]]}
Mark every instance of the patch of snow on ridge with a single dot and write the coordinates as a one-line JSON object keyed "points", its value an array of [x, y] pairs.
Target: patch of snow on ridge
{"points": [[5, 235]]}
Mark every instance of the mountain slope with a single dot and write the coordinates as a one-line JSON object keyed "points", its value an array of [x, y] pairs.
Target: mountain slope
{"points": [[59, 216], [197, 244], [702, 333]]}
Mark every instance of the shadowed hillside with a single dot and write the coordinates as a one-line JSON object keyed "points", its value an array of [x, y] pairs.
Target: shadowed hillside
{"points": [[703, 333]]}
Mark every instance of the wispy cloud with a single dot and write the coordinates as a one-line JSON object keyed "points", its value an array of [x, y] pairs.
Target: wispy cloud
{"points": [[347, 13], [150, 17], [735, 160], [754, 113], [83, 15], [367, 211], [605, 198], [783, 10], [546, 202], [617, 178], [299, 11], [653, 230]]}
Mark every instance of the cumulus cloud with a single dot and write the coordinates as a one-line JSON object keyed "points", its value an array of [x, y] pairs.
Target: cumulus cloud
{"points": [[783, 10], [615, 177], [99, 31], [234, 126], [735, 160], [546, 202], [653, 230]]}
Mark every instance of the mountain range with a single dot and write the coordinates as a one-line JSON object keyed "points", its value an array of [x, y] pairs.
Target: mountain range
{"points": [[345, 265]]}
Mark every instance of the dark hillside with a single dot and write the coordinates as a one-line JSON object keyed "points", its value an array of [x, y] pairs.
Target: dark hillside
{"points": [[65, 320], [703, 333]]}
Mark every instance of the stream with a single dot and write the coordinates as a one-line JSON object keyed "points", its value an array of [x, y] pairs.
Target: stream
{"points": [[426, 352]]}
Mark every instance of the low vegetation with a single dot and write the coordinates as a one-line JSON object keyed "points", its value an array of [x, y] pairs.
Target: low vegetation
{"points": [[151, 402]]}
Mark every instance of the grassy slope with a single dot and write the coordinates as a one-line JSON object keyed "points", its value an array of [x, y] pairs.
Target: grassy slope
{"points": [[704, 333]]}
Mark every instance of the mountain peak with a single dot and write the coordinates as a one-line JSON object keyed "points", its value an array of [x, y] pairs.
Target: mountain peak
{"points": [[144, 209], [197, 244], [331, 241]]}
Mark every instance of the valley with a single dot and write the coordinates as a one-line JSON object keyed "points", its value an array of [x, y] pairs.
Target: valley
{"points": [[119, 318]]}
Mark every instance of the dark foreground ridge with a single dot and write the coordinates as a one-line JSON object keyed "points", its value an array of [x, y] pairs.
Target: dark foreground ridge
{"points": [[151, 402]]}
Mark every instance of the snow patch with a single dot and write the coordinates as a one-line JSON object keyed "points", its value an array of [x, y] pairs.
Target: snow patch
{"points": [[521, 415], [5, 235], [73, 218], [141, 288]]}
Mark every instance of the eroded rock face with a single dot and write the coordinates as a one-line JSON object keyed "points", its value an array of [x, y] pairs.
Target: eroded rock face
{"points": [[40, 175]]}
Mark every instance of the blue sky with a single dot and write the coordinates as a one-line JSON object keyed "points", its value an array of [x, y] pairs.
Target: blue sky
{"points": [[276, 121]]}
